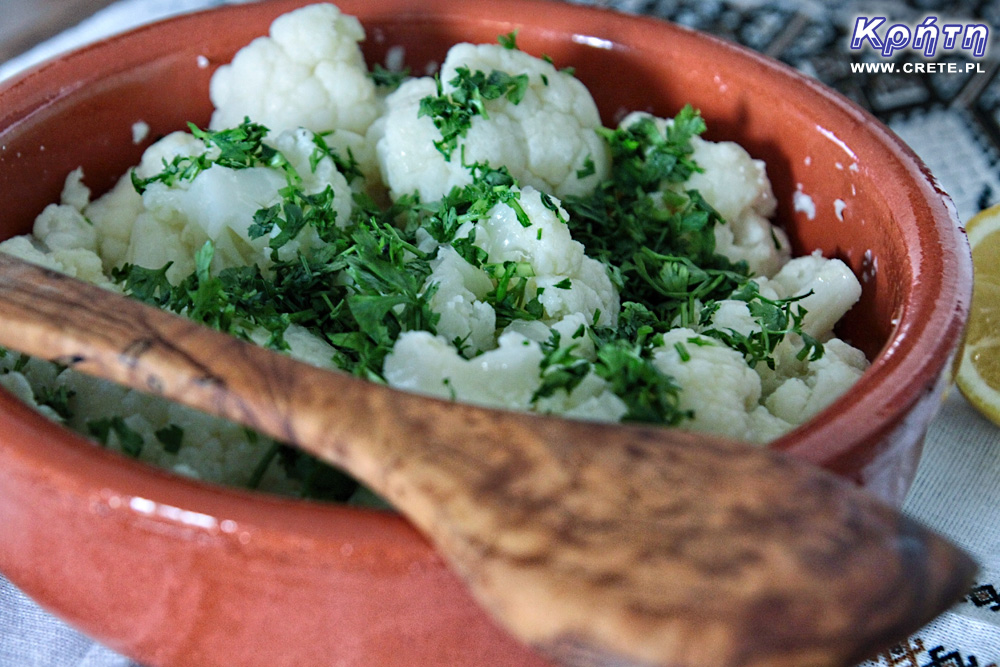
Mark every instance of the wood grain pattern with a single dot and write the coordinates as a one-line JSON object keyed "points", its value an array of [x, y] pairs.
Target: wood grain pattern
{"points": [[596, 544]]}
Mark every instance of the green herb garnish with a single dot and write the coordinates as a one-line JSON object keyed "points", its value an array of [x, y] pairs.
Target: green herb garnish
{"points": [[131, 442], [386, 78], [452, 112], [171, 437]]}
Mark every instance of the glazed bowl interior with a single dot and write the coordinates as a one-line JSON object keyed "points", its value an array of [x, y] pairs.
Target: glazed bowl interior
{"points": [[869, 201]]}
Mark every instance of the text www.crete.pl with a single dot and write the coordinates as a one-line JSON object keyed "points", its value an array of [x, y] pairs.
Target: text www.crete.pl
{"points": [[917, 68]]}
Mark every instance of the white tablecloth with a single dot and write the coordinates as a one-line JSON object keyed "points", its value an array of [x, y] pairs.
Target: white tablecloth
{"points": [[957, 489]]}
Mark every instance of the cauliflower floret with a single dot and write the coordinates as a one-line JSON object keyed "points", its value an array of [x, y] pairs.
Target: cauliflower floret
{"points": [[796, 389], [572, 331], [21, 388], [590, 400], [505, 377], [75, 262], [82, 264], [544, 140], [308, 347], [113, 215], [734, 315], [299, 148], [212, 449], [834, 288], [63, 237], [715, 383], [28, 249], [737, 186], [25, 382], [589, 292], [569, 285], [800, 397], [572, 282], [753, 239], [731, 181], [546, 243], [218, 205], [163, 152], [349, 144], [407, 159], [461, 289], [765, 426], [302, 345], [62, 227], [220, 202], [74, 192], [309, 72]]}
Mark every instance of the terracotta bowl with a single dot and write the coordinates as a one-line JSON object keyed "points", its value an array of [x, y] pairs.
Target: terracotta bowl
{"points": [[174, 572]]}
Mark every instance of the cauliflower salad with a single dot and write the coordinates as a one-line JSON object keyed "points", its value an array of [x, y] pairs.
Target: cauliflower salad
{"points": [[476, 235]]}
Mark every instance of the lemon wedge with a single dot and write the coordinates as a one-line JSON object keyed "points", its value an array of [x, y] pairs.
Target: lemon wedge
{"points": [[979, 366]]}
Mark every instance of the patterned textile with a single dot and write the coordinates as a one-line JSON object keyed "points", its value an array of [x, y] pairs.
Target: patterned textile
{"points": [[950, 119]]}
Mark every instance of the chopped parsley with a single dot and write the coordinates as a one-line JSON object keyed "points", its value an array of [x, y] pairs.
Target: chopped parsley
{"points": [[658, 242], [560, 368], [777, 318], [21, 363], [387, 78], [171, 437], [130, 441], [452, 112], [508, 41], [57, 398], [316, 478], [651, 395], [347, 166], [661, 240], [240, 147]]}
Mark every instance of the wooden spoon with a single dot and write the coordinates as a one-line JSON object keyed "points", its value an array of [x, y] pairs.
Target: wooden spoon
{"points": [[596, 544]]}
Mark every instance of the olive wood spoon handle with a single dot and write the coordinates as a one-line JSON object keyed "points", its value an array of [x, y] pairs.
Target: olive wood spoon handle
{"points": [[596, 544]]}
